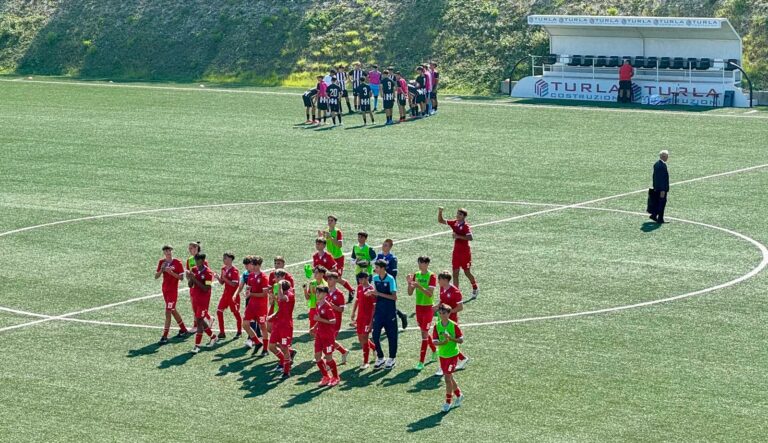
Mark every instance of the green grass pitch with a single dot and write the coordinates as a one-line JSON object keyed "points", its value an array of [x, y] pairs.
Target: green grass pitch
{"points": [[692, 369]]}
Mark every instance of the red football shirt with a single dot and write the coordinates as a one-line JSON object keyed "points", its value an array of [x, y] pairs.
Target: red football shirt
{"points": [[273, 279], [625, 72], [451, 296], [171, 283], [325, 260], [336, 297], [230, 274], [325, 312], [205, 275], [258, 282], [460, 228], [284, 315], [365, 304]]}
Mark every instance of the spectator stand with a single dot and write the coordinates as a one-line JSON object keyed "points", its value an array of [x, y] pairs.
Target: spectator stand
{"points": [[688, 61]]}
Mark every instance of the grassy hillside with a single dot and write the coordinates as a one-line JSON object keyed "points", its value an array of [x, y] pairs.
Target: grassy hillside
{"points": [[279, 42]]}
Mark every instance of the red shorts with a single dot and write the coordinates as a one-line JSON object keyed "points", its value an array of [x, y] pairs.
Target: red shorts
{"points": [[340, 265], [226, 302], [324, 344], [425, 315], [170, 297], [200, 304], [281, 335], [363, 325], [312, 314], [462, 260], [255, 311], [448, 365]]}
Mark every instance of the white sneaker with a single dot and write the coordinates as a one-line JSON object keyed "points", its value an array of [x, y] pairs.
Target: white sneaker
{"points": [[439, 372], [195, 350], [193, 330], [212, 341], [365, 366], [249, 343], [344, 358], [460, 365], [458, 401], [475, 293], [390, 363], [446, 407], [379, 363]]}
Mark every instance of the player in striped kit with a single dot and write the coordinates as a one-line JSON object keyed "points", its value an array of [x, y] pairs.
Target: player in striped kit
{"points": [[357, 80], [341, 76]]}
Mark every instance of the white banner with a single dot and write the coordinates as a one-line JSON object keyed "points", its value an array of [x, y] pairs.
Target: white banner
{"points": [[630, 22]]}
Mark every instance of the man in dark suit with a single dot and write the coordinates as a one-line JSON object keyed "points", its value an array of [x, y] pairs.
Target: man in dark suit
{"points": [[660, 186]]}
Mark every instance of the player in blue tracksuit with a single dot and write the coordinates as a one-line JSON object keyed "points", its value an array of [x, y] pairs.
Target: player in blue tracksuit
{"points": [[385, 314], [387, 255]]}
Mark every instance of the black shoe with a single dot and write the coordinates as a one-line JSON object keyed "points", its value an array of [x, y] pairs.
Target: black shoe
{"points": [[182, 334], [652, 217], [403, 320], [256, 348], [264, 353], [163, 340], [660, 221], [222, 336], [293, 353], [238, 335]]}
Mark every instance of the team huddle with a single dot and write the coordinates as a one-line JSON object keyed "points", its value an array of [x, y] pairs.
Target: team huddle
{"points": [[270, 301], [325, 99]]}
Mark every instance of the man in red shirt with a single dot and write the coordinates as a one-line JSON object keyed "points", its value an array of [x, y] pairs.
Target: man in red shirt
{"points": [[281, 337], [626, 72], [337, 302], [325, 259], [230, 279], [201, 278], [451, 296], [363, 307], [462, 254], [172, 271], [325, 338], [256, 294]]}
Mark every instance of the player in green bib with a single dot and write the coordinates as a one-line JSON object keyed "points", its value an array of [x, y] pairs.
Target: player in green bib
{"points": [[423, 284], [363, 252], [334, 243], [447, 337], [310, 293]]}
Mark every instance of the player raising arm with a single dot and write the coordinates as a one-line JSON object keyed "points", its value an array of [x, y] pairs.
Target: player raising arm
{"points": [[462, 253], [281, 336], [230, 279], [172, 271]]}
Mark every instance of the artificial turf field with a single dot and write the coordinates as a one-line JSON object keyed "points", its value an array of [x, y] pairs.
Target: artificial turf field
{"points": [[244, 172]]}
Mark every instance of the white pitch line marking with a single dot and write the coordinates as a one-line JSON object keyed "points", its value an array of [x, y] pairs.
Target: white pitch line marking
{"points": [[449, 101], [518, 217]]}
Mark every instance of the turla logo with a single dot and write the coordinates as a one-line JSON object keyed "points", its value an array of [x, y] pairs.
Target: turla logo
{"points": [[637, 92], [541, 88]]}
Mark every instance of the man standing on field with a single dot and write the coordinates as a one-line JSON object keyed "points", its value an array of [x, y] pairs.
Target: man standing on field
{"points": [[660, 186], [462, 254]]}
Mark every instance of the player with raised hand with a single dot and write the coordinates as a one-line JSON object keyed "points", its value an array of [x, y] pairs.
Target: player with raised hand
{"points": [[195, 248], [324, 258], [388, 94], [310, 294], [201, 279], [363, 308], [281, 337], [172, 271], [423, 284], [256, 307], [230, 279], [325, 336], [447, 336], [336, 301], [462, 253]]}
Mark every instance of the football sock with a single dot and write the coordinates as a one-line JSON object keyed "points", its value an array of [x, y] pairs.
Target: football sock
{"points": [[339, 117], [307, 115], [423, 352], [340, 348], [208, 332], [364, 120], [238, 320], [431, 345], [321, 366], [165, 332], [314, 117], [375, 102], [345, 283], [255, 328], [334, 369], [280, 356], [448, 398], [366, 354], [462, 356], [333, 117], [220, 317], [474, 285], [457, 392], [198, 338]]}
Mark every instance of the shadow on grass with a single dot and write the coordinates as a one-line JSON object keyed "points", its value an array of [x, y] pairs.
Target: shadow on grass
{"points": [[149, 349], [428, 422], [237, 352], [427, 384], [612, 105], [179, 360], [650, 226], [401, 378], [259, 379], [356, 378]]}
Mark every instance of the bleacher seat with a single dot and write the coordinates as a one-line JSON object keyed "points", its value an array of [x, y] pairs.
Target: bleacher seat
{"points": [[664, 62], [575, 60], [613, 61], [588, 60], [691, 63], [704, 64], [551, 59], [601, 61], [730, 67], [651, 62], [677, 63], [626, 57], [639, 62]]}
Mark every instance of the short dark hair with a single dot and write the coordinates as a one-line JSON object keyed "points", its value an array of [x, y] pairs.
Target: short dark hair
{"points": [[362, 275], [424, 259], [332, 275], [247, 260], [333, 217], [320, 269], [380, 263], [445, 275], [286, 285], [257, 260], [323, 289], [280, 273], [280, 258], [321, 240], [463, 211], [444, 307], [389, 240], [200, 256], [230, 255], [167, 248], [363, 233]]}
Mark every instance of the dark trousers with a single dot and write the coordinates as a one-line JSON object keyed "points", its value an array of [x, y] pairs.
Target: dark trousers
{"points": [[625, 91], [661, 203], [389, 323]]}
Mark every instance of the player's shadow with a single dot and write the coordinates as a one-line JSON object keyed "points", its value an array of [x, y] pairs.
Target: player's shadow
{"points": [[304, 397], [354, 378], [149, 349], [427, 384], [304, 338], [179, 360], [237, 366], [401, 378], [258, 379], [649, 226], [237, 352], [302, 316], [326, 128], [355, 127], [428, 422]]}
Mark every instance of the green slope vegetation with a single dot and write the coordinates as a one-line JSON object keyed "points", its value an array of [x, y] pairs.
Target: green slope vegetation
{"points": [[277, 42]]}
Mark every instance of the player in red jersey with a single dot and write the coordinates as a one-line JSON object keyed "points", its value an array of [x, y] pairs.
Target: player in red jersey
{"points": [[325, 259], [201, 278], [195, 248], [257, 295], [462, 254], [279, 265], [325, 336], [336, 299], [230, 279], [281, 337], [451, 296], [363, 309], [172, 270]]}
